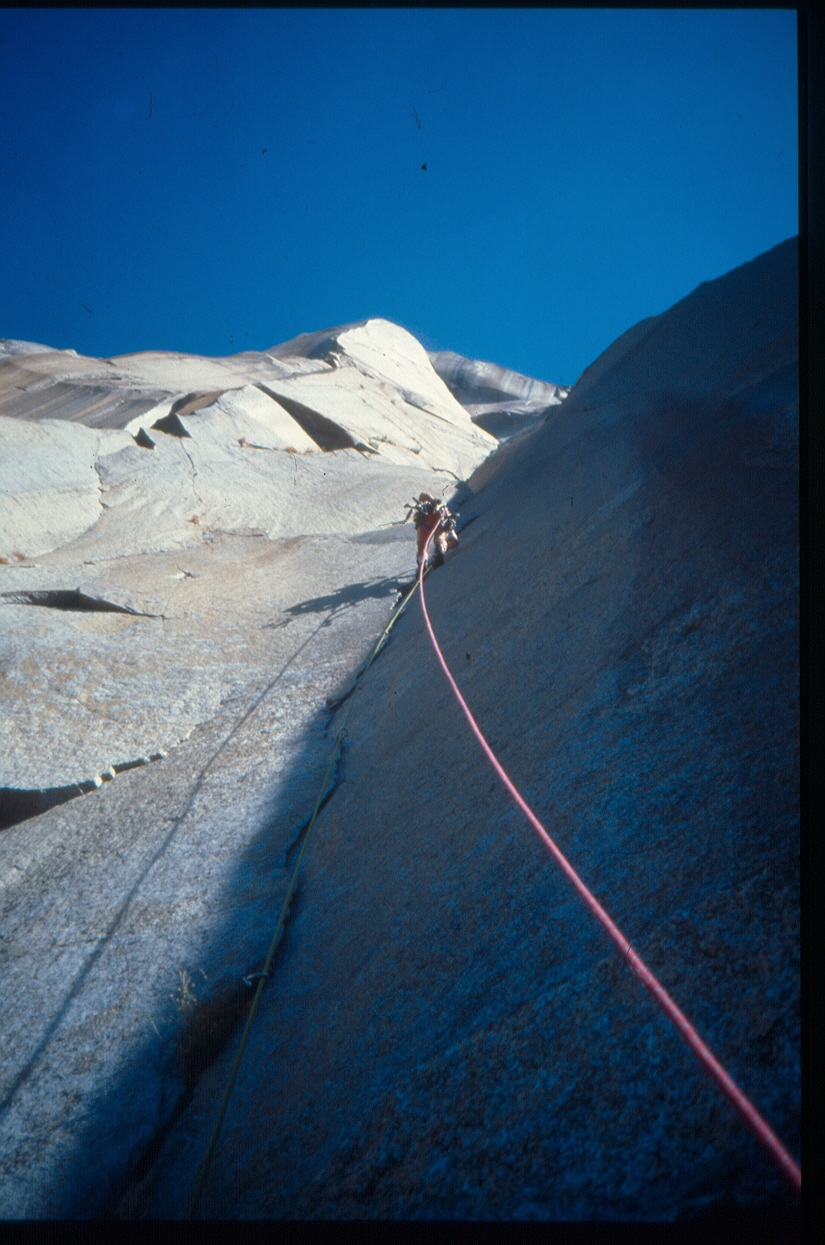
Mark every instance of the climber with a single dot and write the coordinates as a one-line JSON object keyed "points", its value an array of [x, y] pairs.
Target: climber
{"points": [[430, 515]]}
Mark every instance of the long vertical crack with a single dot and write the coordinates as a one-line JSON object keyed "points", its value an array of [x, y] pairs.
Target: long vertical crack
{"points": [[123, 907], [202, 1037]]}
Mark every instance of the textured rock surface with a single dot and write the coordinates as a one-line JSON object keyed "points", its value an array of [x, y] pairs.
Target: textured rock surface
{"points": [[107, 899], [181, 591], [51, 491], [141, 516], [499, 400], [369, 386], [448, 1033]]}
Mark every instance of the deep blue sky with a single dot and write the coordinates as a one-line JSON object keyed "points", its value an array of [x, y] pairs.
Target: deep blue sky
{"points": [[585, 169]]}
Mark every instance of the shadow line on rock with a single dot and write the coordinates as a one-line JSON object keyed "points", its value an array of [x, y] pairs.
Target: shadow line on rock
{"points": [[335, 603], [25, 1072], [691, 488], [197, 1044], [192, 1047]]}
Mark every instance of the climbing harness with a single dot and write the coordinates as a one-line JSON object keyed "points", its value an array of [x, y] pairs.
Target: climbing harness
{"points": [[743, 1105], [263, 976], [433, 520]]}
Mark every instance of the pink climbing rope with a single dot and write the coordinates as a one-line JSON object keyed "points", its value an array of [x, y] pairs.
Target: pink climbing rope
{"points": [[758, 1126]]}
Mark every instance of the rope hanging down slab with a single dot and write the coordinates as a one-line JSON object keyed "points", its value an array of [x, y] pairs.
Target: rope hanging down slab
{"points": [[279, 929], [730, 1089]]}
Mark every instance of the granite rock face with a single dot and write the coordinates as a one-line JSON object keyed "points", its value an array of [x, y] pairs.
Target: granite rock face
{"points": [[243, 453], [192, 550], [499, 400], [448, 1033]]}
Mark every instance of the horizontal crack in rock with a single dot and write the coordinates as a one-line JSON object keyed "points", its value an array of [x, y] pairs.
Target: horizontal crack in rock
{"points": [[71, 599], [19, 804]]}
